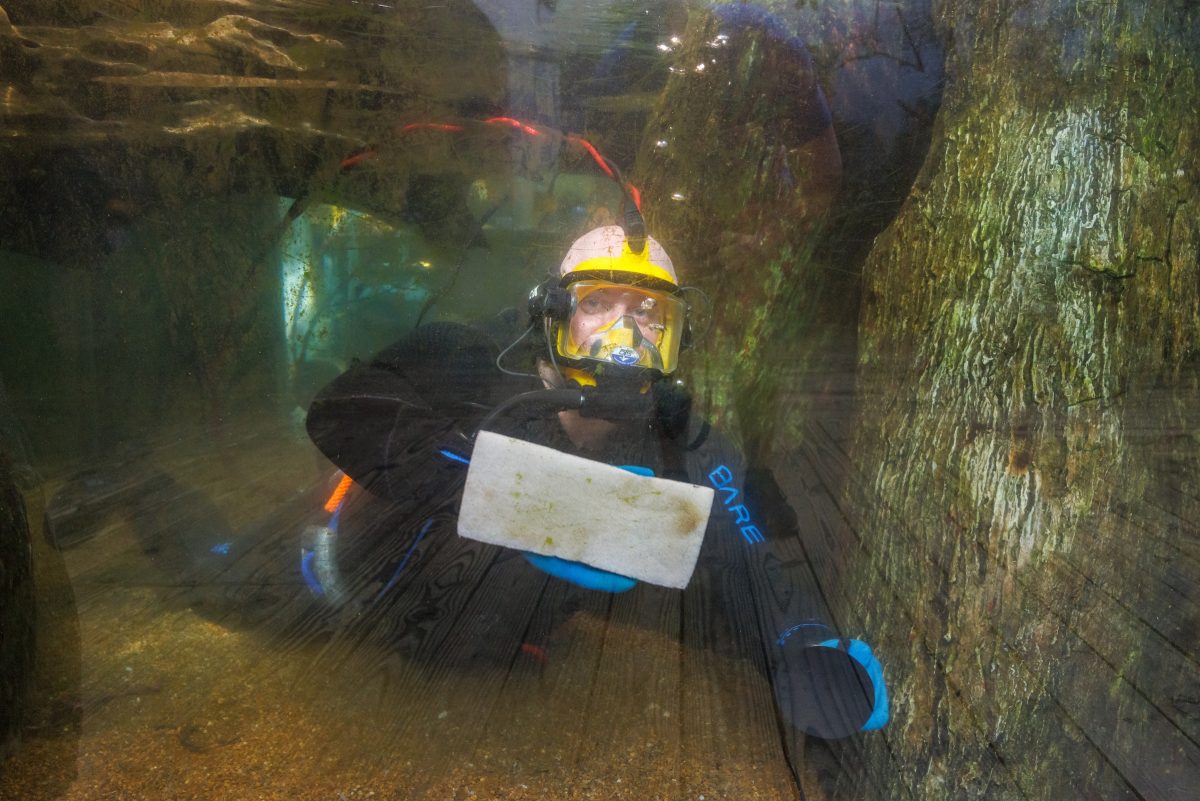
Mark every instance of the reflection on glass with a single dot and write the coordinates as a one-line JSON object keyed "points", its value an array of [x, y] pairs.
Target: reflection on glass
{"points": [[286, 295]]}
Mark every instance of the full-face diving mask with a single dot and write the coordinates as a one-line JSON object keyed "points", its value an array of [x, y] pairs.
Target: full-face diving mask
{"points": [[621, 324]]}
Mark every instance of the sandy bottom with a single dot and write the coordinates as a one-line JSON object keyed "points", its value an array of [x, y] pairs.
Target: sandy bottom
{"points": [[162, 702]]}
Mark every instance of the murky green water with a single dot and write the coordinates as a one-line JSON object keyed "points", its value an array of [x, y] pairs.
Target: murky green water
{"points": [[211, 211], [222, 209]]}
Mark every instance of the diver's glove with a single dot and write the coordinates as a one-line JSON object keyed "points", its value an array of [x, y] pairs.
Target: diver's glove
{"points": [[581, 575], [827, 686]]}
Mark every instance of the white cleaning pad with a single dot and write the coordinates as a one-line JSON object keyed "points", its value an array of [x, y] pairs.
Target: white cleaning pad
{"points": [[534, 498]]}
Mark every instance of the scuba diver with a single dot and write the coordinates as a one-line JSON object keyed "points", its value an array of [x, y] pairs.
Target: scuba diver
{"points": [[592, 376]]}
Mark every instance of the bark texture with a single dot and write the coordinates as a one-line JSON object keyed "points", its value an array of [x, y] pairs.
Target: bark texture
{"points": [[737, 191], [1026, 505], [770, 213]]}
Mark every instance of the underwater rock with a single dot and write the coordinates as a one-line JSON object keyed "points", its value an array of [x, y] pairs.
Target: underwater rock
{"points": [[270, 98], [784, 140]]}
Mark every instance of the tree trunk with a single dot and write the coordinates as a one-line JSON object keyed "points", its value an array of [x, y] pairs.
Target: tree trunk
{"points": [[1026, 499], [740, 166]]}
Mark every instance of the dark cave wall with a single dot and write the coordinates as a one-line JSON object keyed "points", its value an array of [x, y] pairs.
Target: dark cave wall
{"points": [[17, 613], [146, 148], [772, 215]]}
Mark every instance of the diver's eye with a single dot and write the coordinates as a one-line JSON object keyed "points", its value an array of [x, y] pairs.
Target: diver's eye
{"points": [[593, 305], [648, 311]]}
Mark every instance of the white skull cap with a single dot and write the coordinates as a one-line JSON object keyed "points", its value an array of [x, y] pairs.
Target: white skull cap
{"points": [[608, 243]]}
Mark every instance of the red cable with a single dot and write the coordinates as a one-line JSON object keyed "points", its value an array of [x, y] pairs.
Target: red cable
{"points": [[433, 126], [590, 148], [634, 194], [529, 129], [357, 158]]}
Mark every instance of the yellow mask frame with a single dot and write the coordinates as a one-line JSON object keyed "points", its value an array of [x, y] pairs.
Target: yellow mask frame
{"points": [[615, 323]]}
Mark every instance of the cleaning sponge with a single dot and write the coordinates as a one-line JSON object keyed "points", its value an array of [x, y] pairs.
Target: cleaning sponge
{"points": [[537, 499]]}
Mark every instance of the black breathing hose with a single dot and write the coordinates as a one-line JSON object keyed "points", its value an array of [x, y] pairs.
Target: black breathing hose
{"points": [[551, 400], [590, 401]]}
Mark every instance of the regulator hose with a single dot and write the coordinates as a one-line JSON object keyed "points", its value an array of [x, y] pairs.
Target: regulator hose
{"points": [[550, 400]]}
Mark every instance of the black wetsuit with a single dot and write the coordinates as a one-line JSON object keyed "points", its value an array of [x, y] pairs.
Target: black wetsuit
{"points": [[386, 422], [400, 426]]}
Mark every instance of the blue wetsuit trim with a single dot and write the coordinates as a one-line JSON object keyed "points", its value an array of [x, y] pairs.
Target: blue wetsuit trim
{"points": [[814, 624], [453, 456], [396, 575]]}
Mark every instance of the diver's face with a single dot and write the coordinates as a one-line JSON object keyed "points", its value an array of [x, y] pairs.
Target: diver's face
{"points": [[596, 312]]}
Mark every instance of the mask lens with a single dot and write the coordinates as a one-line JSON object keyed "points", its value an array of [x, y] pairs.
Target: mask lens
{"points": [[623, 325]]}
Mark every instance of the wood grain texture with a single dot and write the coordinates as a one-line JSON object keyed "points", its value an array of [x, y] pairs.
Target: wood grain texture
{"points": [[472, 673]]}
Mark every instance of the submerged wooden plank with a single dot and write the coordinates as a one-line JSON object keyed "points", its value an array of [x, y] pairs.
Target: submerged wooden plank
{"points": [[791, 589], [537, 729], [1151, 753], [818, 470], [632, 728], [615, 709], [426, 689], [420, 611], [1107, 606], [728, 709], [1161, 673], [826, 539], [467, 673], [395, 594]]}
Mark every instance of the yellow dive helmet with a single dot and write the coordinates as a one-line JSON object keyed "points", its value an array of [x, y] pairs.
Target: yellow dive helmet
{"points": [[624, 306]]}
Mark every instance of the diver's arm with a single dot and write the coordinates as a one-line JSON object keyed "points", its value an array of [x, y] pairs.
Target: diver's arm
{"points": [[825, 684], [373, 425], [395, 424]]}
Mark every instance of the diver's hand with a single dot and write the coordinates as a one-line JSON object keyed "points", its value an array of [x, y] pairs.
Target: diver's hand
{"points": [[581, 575], [827, 687]]}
